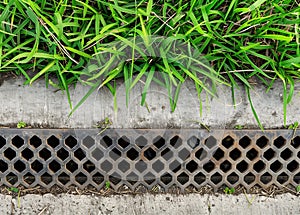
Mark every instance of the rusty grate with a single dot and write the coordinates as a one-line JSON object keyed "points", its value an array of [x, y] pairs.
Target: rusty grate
{"points": [[183, 157]]}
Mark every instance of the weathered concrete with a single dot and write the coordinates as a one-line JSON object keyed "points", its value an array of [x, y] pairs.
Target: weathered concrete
{"points": [[37, 105], [150, 204]]}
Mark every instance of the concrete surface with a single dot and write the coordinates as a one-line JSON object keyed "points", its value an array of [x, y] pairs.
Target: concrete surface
{"points": [[39, 106], [285, 204]]}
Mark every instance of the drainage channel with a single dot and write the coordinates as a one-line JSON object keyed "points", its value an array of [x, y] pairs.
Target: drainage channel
{"points": [[141, 157]]}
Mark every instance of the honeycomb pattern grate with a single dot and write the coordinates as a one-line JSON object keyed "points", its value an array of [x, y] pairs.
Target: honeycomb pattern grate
{"points": [[164, 158]]}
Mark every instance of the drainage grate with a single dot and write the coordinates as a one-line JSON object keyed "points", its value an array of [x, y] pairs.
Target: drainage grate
{"points": [[164, 158]]}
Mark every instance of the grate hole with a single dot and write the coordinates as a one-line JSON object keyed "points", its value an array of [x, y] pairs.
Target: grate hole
{"points": [[11, 178], [183, 178], [97, 154], [200, 178], [81, 178], [184, 154], [37, 166], [149, 153], [225, 166], [276, 166], [269, 154], [149, 178], [245, 142], [89, 142], [292, 166], [124, 142], [201, 154], [115, 178], [9, 154], [242, 166], [17, 141], [45, 154], [79, 154], [166, 178], [72, 166], [209, 166], [175, 166], [62, 154], [89, 166], [29, 178], [158, 166], [262, 142], [219, 154], [192, 166], [193, 142], [106, 141], [19, 166], [106, 166], [235, 154], [286, 154], [159, 142], [54, 166], [98, 178], [167, 154], [63, 178], [2, 142], [232, 178], [249, 178], [71, 142], [296, 142], [35, 141], [279, 142], [210, 142], [297, 178], [46, 178], [282, 178], [176, 141], [216, 178], [115, 154], [141, 142], [52, 141], [252, 154], [227, 142], [123, 166], [141, 166], [27, 154], [132, 178], [3, 166], [259, 166], [132, 154], [266, 178]]}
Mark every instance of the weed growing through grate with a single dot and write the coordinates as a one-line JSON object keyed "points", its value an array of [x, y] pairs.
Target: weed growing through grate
{"points": [[21, 124], [229, 191]]}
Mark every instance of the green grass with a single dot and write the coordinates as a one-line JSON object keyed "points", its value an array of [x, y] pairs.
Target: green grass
{"points": [[239, 39]]}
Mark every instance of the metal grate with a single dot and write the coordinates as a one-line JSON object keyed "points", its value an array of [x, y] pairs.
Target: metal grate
{"points": [[164, 158]]}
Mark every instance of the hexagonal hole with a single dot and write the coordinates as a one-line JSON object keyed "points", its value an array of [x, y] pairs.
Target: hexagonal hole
{"points": [[225, 166], [62, 154], [106, 141], [158, 166], [159, 142], [293, 166], [11, 178], [89, 166], [183, 178], [54, 166], [175, 166], [242, 166], [262, 142], [28, 178], [166, 178], [192, 166], [149, 153], [269, 154], [9, 154], [216, 178], [71, 142], [132, 178], [98, 178], [266, 178], [259, 166], [232, 178], [141, 142], [245, 142], [166, 154], [17, 141], [88, 142], [46, 178], [97, 154], [209, 166], [211, 142], [72, 166], [141, 166], [282, 178], [27, 154], [45, 154], [252, 154], [35, 141], [235, 154], [286, 154], [227, 142], [199, 178], [79, 154], [193, 142], [184, 154], [296, 178], [132, 154], [276, 166], [296, 142], [249, 178], [53, 141], [219, 154], [149, 178], [124, 142], [279, 142], [124, 166], [106, 166], [115, 154], [176, 141], [80, 178], [115, 178], [3, 166], [63, 178], [37, 166], [19, 166], [2, 142]]}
